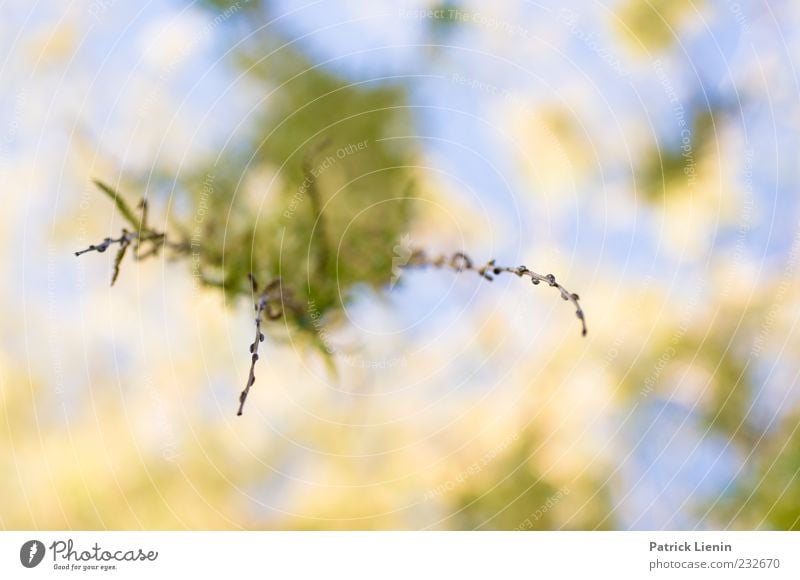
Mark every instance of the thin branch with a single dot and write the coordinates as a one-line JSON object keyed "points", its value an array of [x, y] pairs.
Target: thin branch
{"points": [[126, 237], [142, 234], [268, 304], [460, 262], [158, 238]]}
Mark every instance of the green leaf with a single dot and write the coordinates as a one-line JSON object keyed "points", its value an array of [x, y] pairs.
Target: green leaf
{"points": [[126, 211], [118, 259]]}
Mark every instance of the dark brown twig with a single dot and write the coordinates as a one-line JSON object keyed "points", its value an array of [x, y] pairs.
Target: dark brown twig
{"points": [[460, 262]]}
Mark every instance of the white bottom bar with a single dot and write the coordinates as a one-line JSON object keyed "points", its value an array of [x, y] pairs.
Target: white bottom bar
{"points": [[406, 555]]}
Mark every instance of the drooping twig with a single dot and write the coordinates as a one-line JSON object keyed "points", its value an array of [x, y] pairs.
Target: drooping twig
{"points": [[460, 262], [269, 303], [272, 300]]}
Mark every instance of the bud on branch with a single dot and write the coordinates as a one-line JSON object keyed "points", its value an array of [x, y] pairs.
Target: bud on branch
{"points": [[141, 236], [460, 262]]}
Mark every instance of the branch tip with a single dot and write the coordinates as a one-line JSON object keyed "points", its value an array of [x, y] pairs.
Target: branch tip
{"points": [[459, 262]]}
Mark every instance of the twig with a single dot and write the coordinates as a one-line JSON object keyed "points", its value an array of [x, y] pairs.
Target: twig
{"points": [[264, 306], [460, 262], [157, 239], [126, 238], [141, 234]]}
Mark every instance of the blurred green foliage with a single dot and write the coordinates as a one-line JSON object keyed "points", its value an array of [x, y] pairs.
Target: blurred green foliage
{"points": [[766, 495], [514, 495], [654, 25], [316, 194], [666, 169]]}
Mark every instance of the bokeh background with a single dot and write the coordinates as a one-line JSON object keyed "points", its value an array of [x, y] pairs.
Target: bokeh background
{"points": [[644, 151]]}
